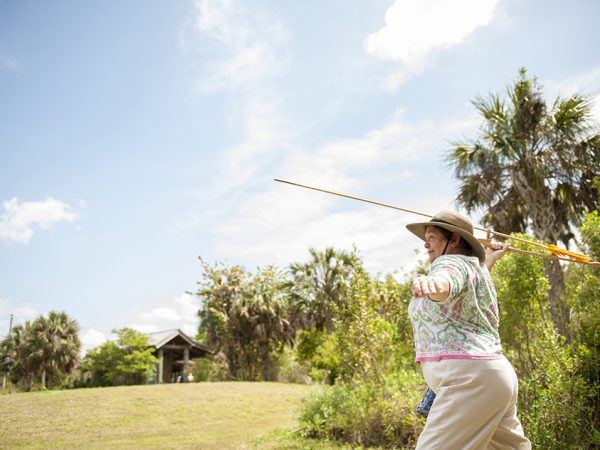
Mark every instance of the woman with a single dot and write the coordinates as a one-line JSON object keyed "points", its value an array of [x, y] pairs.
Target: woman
{"points": [[455, 318]]}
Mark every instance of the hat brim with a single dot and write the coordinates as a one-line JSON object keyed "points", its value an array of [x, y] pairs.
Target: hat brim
{"points": [[418, 229]]}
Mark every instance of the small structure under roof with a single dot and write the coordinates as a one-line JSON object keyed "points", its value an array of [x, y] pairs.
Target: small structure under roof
{"points": [[175, 351]]}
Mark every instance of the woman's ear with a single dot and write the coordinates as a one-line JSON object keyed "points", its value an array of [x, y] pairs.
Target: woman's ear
{"points": [[454, 241]]}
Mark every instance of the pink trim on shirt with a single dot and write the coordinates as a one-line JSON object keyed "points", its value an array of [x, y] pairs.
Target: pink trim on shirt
{"points": [[456, 356]]}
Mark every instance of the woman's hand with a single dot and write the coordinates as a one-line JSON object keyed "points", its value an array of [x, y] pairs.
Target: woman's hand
{"points": [[436, 288], [494, 253]]}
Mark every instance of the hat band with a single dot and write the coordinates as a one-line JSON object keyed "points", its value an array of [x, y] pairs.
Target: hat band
{"points": [[442, 221], [436, 220]]}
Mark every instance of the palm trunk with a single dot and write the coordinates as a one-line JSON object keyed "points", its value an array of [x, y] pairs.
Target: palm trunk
{"points": [[544, 226], [559, 312]]}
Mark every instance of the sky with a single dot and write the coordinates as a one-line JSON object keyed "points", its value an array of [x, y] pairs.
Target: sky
{"points": [[138, 136]]}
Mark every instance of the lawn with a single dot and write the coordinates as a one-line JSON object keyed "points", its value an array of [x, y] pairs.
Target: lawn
{"points": [[174, 416]]}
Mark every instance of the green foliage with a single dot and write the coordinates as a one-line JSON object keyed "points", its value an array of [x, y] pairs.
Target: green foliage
{"points": [[590, 233], [554, 399], [583, 283], [127, 361], [558, 401], [374, 401], [318, 286], [247, 317], [43, 351], [522, 288], [374, 333], [319, 351], [211, 368], [378, 413]]}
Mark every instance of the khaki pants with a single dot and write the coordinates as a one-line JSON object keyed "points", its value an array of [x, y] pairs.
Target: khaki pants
{"points": [[475, 406]]}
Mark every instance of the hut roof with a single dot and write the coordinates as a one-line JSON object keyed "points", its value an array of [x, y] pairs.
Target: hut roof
{"points": [[159, 339]]}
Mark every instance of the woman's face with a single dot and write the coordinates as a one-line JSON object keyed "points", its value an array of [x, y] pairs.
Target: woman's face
{"points": [[435, 242]]}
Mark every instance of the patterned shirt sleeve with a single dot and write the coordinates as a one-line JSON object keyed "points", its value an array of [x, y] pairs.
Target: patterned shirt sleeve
{"points": [[453, 270]]}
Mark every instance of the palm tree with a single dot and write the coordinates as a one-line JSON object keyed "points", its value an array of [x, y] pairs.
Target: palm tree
{"points": [[318, 285], [532, 168], [55, 345], [16, 351]]}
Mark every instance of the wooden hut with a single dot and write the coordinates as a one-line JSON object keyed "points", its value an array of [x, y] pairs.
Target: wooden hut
{"points": [[175, 352]]}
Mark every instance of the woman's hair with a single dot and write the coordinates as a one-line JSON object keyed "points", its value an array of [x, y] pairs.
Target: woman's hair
{"points": [[463, 246]]}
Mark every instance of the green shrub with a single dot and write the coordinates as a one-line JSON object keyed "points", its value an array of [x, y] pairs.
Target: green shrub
{"points": [[318, 351], [366, 414], [290, 370], [558, 399], [553, 400], [211, 369]]}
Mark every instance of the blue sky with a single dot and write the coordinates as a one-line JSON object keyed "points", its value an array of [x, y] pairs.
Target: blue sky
{"points": [[136, 136]]}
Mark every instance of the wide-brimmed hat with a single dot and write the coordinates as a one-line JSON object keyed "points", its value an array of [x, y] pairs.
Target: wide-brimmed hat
{"points": [[454, 222]]}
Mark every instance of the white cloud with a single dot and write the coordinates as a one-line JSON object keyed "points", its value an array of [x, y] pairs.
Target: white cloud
{"points": [[161, 314], [251, 39], [180, 312], [18, 219], [279, 223], [21, 313], [26, 312], [250, 54], [145, 328], [260, 221], [91, 338], [415, 30]]}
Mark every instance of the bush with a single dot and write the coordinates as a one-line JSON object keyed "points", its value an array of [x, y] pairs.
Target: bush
{"points": [[554, 400], [211, 369], [378, 387], [290, 370], [558, 398], [366, 414]]}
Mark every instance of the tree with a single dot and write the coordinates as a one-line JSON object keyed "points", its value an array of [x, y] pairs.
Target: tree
{"points": [[15, 355], [127, 361], [318, 285], [45, 349], [532, 167], [102, 362], [271, 325], [55, 345], [247, 317], [221, 290]]}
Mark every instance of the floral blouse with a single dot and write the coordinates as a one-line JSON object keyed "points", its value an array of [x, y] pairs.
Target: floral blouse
{"points": [[465, 325]]}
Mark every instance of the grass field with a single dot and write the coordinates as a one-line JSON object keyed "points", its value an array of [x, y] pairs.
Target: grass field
{"points": [[174, 416]]}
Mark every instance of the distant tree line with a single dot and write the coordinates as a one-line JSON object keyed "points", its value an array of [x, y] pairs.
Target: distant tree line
{"points": [[45, 354]]}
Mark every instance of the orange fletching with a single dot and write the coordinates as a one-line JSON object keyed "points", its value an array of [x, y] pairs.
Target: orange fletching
{"points": [[567, 254]]}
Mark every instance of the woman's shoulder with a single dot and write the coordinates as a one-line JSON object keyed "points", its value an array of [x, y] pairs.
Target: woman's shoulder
{"points": [[459, 261], [457, 265]]}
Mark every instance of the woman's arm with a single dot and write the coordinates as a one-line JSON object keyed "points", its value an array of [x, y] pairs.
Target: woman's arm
{"points": [[436, 288]]}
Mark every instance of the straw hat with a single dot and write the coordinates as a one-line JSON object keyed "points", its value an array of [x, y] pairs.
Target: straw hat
{"points": [[454, 222]]}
